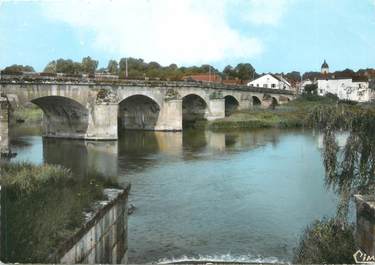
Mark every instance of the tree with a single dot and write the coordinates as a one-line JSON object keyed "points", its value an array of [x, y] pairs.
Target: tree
{"points": [[112, 67], [311, 75], [17, 69], [311, 89], [244, 71], [68, 67], [229, 72], [89, 65], [136, 67], [294, 75], [50, 67], [173, 66]]}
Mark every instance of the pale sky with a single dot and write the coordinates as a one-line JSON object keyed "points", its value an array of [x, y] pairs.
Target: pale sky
{"points": [[272, 35]]}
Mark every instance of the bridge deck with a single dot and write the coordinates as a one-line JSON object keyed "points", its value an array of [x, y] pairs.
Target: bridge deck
{"points": [[15, 79]]}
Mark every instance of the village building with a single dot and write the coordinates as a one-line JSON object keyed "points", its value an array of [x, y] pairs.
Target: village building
{"points": [[324, 68], [344, 86], [356, 89], [271, 81]]}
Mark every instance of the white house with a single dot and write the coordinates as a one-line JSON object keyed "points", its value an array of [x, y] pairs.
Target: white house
{"points": [[348, 88], [271, 81]]}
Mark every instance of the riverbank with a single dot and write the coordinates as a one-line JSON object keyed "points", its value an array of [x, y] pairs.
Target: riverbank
{"points": [[294, 114], [47, 196]]}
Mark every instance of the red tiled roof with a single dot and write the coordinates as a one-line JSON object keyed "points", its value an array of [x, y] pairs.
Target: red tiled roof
{"points": [[204, 77]]}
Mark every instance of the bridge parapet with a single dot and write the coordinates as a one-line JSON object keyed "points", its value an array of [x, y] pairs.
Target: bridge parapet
{"points": [[20, 79]]}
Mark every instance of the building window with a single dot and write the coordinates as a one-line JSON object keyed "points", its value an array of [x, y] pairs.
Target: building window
{"points": [[257, 85], [265, 85], [359, 85], [321, 91], [273, 85]]}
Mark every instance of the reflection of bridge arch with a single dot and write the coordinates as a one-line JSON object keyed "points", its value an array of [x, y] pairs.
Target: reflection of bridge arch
{"points": [[138, 112], [231, 104], [63, 117], [194, 107]]}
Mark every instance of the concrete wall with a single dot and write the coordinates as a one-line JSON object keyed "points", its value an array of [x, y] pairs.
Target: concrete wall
{"points": [[365, 230], [103, 239]]}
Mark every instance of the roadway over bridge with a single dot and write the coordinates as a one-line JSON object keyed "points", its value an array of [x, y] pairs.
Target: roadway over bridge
{"points": [[94, 109]]}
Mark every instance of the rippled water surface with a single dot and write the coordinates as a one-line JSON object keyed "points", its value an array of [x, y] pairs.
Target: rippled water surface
{"points": [[244, 196]]}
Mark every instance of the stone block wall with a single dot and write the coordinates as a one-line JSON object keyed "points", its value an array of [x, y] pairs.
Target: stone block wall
{"points": [[103, 238], [365, 230]]}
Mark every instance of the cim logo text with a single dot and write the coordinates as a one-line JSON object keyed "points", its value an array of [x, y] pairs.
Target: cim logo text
{"points": [[361, 257]]}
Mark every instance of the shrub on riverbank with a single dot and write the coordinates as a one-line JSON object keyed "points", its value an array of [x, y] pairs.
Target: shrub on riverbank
{"points": [[326, 242], [27, 178], [43, 205]]}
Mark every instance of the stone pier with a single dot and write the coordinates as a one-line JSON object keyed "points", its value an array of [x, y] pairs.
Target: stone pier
{"points": [[365, 230]]}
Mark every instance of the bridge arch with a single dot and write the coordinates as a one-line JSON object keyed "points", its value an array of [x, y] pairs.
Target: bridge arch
{"points": [[194, 108], [231, 105], [138, 112], [63, 117], [256, 101], [275, 102]]}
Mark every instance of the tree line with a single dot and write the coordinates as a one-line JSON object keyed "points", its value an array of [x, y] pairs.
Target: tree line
{"points": [[136, 69], [139, 69]]}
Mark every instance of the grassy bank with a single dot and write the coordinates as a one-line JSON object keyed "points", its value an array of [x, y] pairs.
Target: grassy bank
{"points": [[291, 115], [44, 205]]}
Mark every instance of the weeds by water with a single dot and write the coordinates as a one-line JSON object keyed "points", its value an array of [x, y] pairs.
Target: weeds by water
{"points": [[42, 206], [326, 242], [26, 178]]}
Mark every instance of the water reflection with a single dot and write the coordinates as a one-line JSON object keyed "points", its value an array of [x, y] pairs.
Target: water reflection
{"points": [[82, 156]]}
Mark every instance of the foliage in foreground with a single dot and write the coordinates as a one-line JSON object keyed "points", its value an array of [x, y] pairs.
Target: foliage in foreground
{"points": [[42, 206], [350, 169], [326, 241], [26, 178]]}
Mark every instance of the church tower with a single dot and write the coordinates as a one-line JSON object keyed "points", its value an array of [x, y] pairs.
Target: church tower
{"points": [[325, 68]]}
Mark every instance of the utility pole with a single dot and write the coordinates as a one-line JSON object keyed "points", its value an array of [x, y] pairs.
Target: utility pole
{"points": [[126, 67], [209, 73]]}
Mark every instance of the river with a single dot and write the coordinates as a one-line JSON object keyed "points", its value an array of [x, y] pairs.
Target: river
{"points": [[199, 195]]}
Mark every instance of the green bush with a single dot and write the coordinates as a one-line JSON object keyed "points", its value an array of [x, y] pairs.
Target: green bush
{"points": [[326, 241]]}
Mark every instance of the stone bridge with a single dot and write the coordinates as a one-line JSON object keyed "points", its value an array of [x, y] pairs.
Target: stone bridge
{"points": [[92, 109]]}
